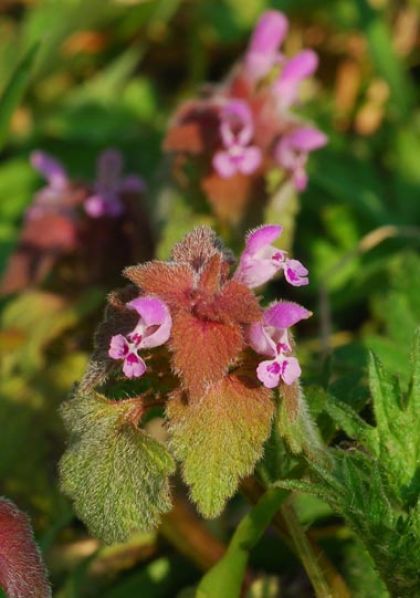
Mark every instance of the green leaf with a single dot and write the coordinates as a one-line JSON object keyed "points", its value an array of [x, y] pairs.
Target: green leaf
{"points": [[296, 426], [225, 579], [379, 38], [15, 89], [352, 424], [219, 438], [282, 208], [39, 317], [115, 473], [397, 427]]}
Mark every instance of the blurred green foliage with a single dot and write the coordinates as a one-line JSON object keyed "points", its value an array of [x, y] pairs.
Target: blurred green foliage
{"points": [[77, 76]]}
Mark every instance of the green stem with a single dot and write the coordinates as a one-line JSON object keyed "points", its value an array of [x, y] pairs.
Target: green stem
{"points": [[305, 552]]}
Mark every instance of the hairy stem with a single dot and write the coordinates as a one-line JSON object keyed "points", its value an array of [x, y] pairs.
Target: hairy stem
{"points": [[305, 552], [185, 530], [332, 580]]}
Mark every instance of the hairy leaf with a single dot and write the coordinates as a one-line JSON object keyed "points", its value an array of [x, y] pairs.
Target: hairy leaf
{"points": [[219, 438], [397, 427], [114, 472], [22, 572], [170, 281], [203, 350], [197, 247]]}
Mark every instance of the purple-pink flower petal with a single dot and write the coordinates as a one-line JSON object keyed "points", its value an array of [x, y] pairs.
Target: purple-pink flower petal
{"points": [[133, 184], [295, 273], [284, 368], [50, 169], [134, 366], [290, 370], [251, 159], [224, 165], [269, 373], [262, 236], [292, 74], [118, 347], [291, 152], [260, 261], [299, 67], [155, 319], [268, 34], [307, 139], [259, 340], [285, 314], [236, 123]]}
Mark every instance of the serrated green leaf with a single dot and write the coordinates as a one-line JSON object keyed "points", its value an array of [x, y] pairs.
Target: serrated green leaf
{"points": [[15, 89], [352, 424], [397, 430], [225, 579], [219, 439], [116, 475], [413, 399]]}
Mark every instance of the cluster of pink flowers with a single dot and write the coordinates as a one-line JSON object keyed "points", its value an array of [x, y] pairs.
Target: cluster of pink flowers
{"points": [[91, 223], [269, 336], [105, 198], [292, 147], [246, 126]]}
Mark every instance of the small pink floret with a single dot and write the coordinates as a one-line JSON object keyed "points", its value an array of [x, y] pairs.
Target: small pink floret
{"points": [[270, 337], [295, 273], [109, 185], [236, 132], [119, 347], [134, 366], [291, 152], [260, 260], [293, 72], [262, 53], [152, 330]]}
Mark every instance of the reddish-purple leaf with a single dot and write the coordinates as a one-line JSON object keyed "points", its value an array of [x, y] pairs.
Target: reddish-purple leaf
{"points": [[22, 572]]}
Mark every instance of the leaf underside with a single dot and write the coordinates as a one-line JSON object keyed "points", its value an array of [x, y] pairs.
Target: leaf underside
{"points": [[116, 475]]}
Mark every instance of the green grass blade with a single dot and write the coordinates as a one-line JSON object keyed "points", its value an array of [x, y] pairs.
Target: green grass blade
{"points": [[224, 580], [15, 89], [386, 61]]}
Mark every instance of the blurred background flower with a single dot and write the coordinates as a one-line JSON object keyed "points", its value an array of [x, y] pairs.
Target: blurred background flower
{"points": [[131, 78]]}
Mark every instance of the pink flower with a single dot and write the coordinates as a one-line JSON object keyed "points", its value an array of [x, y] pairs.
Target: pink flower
{"points": [[291, 152], [109, 185], [50, 168], [260, 260], [270, 337], [293, 72], [153, 329], [236, 130], [57, 183], [262, 53]]}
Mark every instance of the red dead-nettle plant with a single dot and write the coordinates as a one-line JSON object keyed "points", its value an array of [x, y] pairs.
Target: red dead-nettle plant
{"points": [[226, 143], [189, 336], [76, 234]]}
